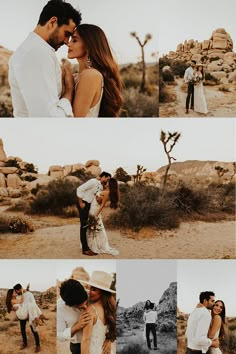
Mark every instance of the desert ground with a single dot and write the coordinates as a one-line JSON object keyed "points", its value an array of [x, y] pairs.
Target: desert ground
{"points": [[219, 103], [10, 336], [58, 238]]}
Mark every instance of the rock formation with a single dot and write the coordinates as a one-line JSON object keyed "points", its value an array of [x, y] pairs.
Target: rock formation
{"points": [[216, 53]]}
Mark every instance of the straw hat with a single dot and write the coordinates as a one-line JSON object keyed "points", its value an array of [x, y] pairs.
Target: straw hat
{"points": [[100, 280], [200, 64]]}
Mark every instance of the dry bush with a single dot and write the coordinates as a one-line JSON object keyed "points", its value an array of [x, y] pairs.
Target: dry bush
{"points": [[16, 224], [137, 104]]}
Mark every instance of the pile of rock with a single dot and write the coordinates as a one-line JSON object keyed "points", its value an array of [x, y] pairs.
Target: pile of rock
{"points": [[92, 166], [216, 53]]}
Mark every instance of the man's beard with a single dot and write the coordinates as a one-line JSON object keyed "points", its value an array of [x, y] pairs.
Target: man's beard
{"points": [[53, 40]]}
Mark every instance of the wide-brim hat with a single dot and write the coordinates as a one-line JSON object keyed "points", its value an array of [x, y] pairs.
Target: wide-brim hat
{"points": [[100, 280], [200, 64]]}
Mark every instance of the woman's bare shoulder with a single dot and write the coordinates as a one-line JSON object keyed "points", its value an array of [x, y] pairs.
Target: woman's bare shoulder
{"points": [[91, 73]]}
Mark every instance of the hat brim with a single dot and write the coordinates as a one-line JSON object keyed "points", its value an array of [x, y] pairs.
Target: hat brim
{"points": [[98, 286]]}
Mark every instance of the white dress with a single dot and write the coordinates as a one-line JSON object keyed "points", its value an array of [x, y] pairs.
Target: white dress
{"points": [[98, 336], [200, 105], [93, 111], [216, 350], [27, 310], [97, 239]]}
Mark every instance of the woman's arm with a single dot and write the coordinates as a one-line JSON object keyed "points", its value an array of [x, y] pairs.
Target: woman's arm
{"points": [[215, 326], [88, 86], [104, 200], [87, 330], [16, 301]]}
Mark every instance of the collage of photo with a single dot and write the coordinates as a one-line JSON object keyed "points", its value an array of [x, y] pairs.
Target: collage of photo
{"points": [[117, 233]]}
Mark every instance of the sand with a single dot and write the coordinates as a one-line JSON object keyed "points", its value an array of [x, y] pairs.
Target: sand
{"points": [[191, 240]]}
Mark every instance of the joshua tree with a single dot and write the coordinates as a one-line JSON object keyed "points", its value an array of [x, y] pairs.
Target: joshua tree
{"points": [[139, 173], [142, 45], [168, 140], [220, 171]]}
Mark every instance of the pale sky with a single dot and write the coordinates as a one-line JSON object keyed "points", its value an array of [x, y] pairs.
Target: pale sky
{"points": [[190, 19], [64, 268], [117, 19], [141, 280], [195, 276], [41, 274], [116, 142]]}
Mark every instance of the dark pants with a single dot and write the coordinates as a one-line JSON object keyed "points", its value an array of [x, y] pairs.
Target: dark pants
{"points": [[23, 333], [83, 215], [190, 351], [190, 95], [151, 327], [75, 348]]}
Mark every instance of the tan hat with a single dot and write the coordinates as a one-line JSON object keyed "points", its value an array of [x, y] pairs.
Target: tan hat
{"points": [[100, 280], [200, 64]]}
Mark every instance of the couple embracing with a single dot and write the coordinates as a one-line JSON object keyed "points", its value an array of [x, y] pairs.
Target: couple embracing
{"points": [[92, 197], [205, 326], [86, 314]]}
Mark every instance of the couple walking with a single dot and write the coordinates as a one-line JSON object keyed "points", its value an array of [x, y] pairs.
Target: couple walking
{"points": [[194, 77], [23, 303], [92, 197], [40, 87], [88, 321], [205, 326]]}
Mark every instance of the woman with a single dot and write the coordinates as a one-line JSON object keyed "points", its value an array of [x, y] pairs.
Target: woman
{"points": [[24, 310], [200, 104], [216, 329], [98, 84], [96, 235], [103, 311]]}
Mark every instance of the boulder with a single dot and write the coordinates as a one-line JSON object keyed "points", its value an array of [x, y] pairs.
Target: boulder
{"points": [[95, 170], [215, 65], [206, 45], [8, 170], [42, 180], [72, 179], [196, 57], [219, 43], [3, 156], [3, 192], [13, 181], [57, 174], [166, 68], [55, 168], [226, 67], [218, 74], [92, 163], [67, 170], [13, 193], [180, 48], [16, 158], [78, 166], [2, 164], [232, 76], [2, 181]]}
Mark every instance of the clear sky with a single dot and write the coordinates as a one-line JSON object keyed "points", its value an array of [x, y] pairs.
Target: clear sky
{"points": [[41, 274], [116, 18], [64, 268], [190, 19], [141, 280], [195, 276], [116, 142]]}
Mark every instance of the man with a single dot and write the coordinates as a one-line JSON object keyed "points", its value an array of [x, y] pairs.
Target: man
{"points": [[72, 315], [198, 325], [188, 78], [150, 318], [85, 193], [28, 297], [35, 75]]}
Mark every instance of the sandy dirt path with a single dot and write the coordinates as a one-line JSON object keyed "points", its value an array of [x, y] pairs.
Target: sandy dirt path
{"points": [[220, 104], [192, 240]]}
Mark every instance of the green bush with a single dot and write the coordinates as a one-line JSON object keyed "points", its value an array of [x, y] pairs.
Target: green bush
{"points": [[54, 198]]}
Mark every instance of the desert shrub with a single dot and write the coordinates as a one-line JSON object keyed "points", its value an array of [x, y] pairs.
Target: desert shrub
{"points": [[214, 59], [137, 104], [232, 327], [29, 167], [188, 201], [178, 67], [29, 178], [168, 76], [54, 197], [12, 163], [164, 61], [133, 348], [224, 88], [210, 77], [82, 174], [70, 211], [20, 205], [122, 175], [167, 326], [15, 224], [229, 343]]}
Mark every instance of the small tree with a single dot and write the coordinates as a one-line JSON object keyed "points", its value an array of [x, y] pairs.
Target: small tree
{"points": [[122, 175], [220, 172], [139, 173], [142, 45], [168, 140]]}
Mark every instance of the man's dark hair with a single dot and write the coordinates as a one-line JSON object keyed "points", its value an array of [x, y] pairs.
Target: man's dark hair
{"points": [[60, 9], [17, 287], [205, 295], [73, 293], [106, 174], [194, 62], [151, 306]]}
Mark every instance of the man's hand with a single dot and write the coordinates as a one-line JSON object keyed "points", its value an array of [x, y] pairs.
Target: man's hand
{"points": [[68, 81], [215, 343], [81, 204], [99, 199], [106, 349], [84, 319]]}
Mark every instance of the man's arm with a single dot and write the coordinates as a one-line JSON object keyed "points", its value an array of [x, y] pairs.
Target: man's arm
{"points": [[38, 84], [83, 188], [201, 334]]}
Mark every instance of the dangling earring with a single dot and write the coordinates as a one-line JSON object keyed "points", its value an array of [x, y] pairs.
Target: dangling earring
{"points": [[89, 63]]}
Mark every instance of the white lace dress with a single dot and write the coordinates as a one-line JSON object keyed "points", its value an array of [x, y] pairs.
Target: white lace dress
{"points": [[215, 350], [97, 239], [27, 310], [200, 105], [98, 336]]}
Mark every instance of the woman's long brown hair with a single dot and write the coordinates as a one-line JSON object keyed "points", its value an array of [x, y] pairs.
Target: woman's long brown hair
{"points": [[102, 59], [109, 305], [8, 300], [222, 315]]}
